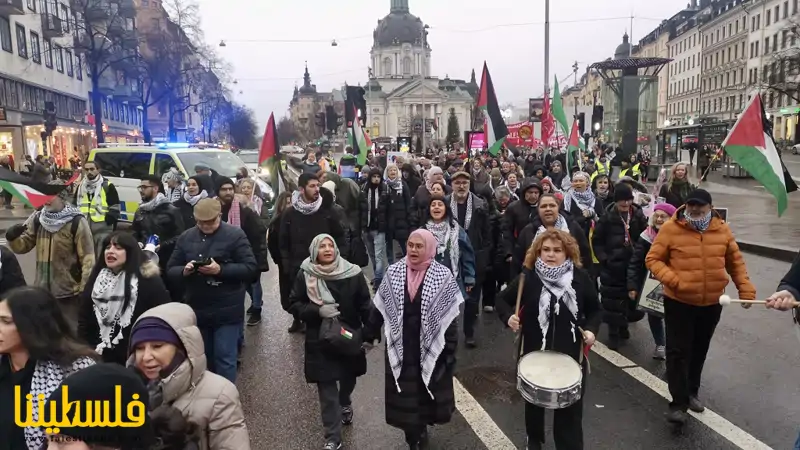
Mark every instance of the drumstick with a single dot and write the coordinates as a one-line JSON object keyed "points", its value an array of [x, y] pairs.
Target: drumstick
{"points": [[725, 300], [519, 293]]}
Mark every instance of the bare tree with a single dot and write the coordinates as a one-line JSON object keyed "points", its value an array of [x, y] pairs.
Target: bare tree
{"points": [[105, 41], [781, 71], [286, 131]]}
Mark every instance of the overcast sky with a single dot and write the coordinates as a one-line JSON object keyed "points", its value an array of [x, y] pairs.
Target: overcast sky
{"points": [[508, 34]]}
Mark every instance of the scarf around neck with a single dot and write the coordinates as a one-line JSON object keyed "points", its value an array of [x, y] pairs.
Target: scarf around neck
{"points": [[317, 274], [175, 194], [396, 184], [447, 241], [468, 215], [701, 224], [415, 273], [193, 199], [441, 299], [235, 213], [585, 200], [159, 200], [108, 297], [303, 207], [90, 187], [561, 224], [54, 221], [557, 282], [372, 195]]}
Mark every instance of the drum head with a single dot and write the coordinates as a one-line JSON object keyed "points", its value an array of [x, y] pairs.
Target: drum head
{"points": [[549, 370]]}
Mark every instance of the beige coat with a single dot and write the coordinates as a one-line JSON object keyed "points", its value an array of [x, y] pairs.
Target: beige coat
{"points": [[205, 398]]}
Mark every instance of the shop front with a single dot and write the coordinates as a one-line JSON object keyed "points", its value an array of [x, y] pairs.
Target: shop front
{"points": [[64, 142]]}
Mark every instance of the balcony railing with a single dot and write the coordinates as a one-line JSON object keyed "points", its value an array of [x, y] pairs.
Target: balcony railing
{"points": [[11, 7], [52, 27], [127, 93]]}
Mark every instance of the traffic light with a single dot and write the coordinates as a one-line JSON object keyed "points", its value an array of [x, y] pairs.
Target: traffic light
{"points": [[49, 115], [319, 120], [581, 123], [597, 120], [355, 101], [331, 118]]}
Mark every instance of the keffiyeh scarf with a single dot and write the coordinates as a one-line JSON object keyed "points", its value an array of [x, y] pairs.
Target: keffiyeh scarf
{"points": [[193, 199], [54, 221], [561, 224], [372, 195], [305, 208], [108, 296], [468, 215], [585, 200], [557, 282], [701, 224], [174, 194], [447, 239], [91, 187], [154, 203], [235, 213], [441, 299]]}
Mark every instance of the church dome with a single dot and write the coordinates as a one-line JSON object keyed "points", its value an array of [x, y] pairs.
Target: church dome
{"points": [[398, 27], [623, 50]]}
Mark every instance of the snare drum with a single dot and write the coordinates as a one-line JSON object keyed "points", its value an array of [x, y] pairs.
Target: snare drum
{"points": [[549, 379]]}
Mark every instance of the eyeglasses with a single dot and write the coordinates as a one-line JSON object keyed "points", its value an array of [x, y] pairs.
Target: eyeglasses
{"points": [[144, 187]]}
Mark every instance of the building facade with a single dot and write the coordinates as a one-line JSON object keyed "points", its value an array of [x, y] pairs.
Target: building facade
{"points": [[684, 47], [306, 103], [654, 45], [724, 65], [402, 94]]}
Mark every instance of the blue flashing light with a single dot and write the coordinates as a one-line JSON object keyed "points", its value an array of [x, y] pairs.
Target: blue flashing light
{"points": [[164, 145]]}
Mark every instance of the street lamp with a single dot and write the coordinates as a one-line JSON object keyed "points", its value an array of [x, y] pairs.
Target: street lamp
{"points": [[597, 126], [667, 123], [222, 43]]}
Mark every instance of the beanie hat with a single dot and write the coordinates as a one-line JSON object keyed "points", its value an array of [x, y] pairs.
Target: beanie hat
{"points": [[223, 181], [98, 383], [666, 208], [622, 192], [330, 185], [153, 329]]}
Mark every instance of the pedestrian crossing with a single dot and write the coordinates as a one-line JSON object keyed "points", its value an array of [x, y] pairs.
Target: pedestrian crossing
{"points": [[3, 241]]}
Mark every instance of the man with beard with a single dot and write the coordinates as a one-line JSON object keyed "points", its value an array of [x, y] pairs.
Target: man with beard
{"points": [[497, 274], [374, 198], [472, 214], [519, 214], [156, 216], [310, 214], [245, 218], [98, 201], [64, 250]]}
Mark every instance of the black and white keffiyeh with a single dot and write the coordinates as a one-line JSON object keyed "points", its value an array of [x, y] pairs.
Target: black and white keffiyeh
{"points": [[446, 234], [441, 299], [468, 215], [193, 199], [150, 205], [372, 196], [305, 208], [91, 187], [46, 377], [108, 296], [54, 221], [584, 200], [561, 224], [557, 281]]}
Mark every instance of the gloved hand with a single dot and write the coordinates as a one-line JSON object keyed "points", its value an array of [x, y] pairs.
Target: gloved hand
{"points": [[15, 231], [329, 311], [367, 346]]}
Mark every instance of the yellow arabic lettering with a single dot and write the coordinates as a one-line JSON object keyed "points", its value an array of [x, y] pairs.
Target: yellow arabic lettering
{"points": [[28, 422], [138, 419]]}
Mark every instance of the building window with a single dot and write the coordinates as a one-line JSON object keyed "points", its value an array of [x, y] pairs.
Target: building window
{"points": [[775, 42], [737, 26], [766, 46], [36, 51], [48, 54], [68, 62], [407, 66], [5, 34], [777, 12], [78, 67], [31, 5], [785, 9], [769, 17], [64, 17], [22, 42], [59, 54], [387, 66]]}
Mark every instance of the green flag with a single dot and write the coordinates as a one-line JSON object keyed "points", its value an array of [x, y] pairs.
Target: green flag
{"points": [[558, 110]]}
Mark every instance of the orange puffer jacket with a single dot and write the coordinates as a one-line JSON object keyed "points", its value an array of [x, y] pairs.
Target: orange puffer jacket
{"points": [[694, 266]]}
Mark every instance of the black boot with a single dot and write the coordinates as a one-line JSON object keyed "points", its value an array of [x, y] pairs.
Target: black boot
{"points": [[297, 326]]}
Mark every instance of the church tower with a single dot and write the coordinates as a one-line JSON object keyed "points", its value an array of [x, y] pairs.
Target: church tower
{"points": [[399, 6]]}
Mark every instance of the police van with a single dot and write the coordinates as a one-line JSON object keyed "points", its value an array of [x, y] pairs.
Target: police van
{"points": [[125, 165]]}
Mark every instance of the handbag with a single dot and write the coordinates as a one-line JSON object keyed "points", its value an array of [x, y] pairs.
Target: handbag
{"points": [[358, 251], [339, 337]]}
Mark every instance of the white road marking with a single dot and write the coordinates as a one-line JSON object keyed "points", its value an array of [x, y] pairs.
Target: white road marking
{"points": [[3, 241], [479, 420], [722, 426]]}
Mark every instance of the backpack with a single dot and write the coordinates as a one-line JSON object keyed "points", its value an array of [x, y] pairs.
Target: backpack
{"points": [[76, 221]]}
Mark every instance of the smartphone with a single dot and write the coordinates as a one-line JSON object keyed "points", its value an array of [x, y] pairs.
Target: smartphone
{"points": [[202, 262]]}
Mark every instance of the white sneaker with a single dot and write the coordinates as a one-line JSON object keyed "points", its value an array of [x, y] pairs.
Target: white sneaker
{"points": [[488, 309], [660, 353]]}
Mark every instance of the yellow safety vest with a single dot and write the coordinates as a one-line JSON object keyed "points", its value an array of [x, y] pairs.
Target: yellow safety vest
{"points": [[602, 169], [96, 212], [636, 171]]}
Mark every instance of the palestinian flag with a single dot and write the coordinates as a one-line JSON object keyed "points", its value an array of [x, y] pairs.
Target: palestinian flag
{"points": [[750, 144], [573, 147], [559, 114], [360, 140], [269, 156], [494, 127], [33, 194]]}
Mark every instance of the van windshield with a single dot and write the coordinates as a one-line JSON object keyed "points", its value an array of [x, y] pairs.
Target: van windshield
{"points": [[224, 163]]}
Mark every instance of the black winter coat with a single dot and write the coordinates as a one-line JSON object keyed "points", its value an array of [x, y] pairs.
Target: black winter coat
{"points": [[676, 196], [152, 293], [576, 214], [256, 234], [791, 281], [420, 203], [498, 260], [608, 242], [273, 240], [11, 275], [518, 215], [480, 235], [399, 213], [186, 210], [355, 304], [413, 408], [528, 233], [298, 230], [166, 222], [378, 216], [216, 299], [560, 335], [637, 270]]}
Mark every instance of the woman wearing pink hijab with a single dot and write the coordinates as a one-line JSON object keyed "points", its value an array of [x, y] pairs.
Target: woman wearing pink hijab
{"points": [[419, 301]]}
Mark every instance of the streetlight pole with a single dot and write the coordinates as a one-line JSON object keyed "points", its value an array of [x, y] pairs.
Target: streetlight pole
{"points": [[422, 83], [547, 47]]}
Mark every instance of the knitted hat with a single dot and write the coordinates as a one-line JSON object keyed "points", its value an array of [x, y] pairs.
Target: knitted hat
{"points": [[153, 329], [666, 208], [98, 383], [223, 181], [330, 185], [622, 192]]}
